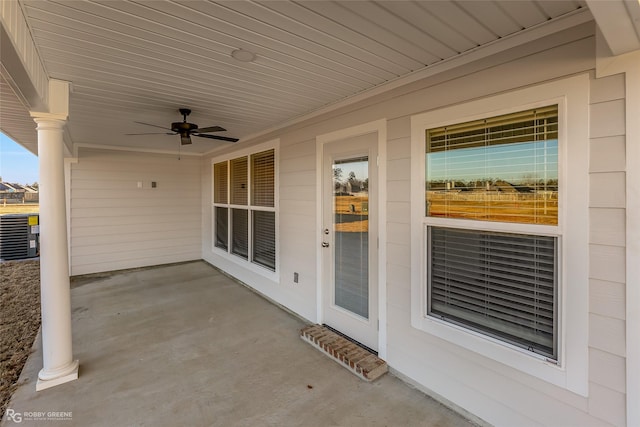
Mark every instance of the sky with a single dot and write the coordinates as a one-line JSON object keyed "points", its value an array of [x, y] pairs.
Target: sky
{"points": [[360, 168], [17, 164]]}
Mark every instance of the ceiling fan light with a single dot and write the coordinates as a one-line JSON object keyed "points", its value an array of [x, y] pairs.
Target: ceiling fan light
{"points": [[185, 139]]}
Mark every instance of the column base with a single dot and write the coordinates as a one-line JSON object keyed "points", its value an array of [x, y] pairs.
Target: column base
{"points": [[69, 374]]}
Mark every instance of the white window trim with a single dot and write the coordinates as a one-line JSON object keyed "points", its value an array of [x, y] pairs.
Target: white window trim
{"points": [[248, 264], [572, 96]]}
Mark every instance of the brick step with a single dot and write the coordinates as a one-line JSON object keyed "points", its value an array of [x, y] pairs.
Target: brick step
{"points": [[350, 355]]}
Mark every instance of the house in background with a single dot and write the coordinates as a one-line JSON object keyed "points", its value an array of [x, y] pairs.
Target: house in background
{"points": [[519, 308], [17, 193]]}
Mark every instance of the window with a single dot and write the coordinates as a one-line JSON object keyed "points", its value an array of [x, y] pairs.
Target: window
{"points": [[500, 284], [501, 168], [500, 230], [496, 169], [244, 208]]}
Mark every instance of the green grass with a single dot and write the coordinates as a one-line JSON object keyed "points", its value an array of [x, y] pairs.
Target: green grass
{"points": [[19, 209]]}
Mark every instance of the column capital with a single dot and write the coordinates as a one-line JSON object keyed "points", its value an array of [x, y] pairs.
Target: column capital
{"points": [[49, 121], [41, 117]]}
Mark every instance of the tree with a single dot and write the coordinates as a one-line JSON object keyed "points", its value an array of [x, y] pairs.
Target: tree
{"points": [[337, 174]]}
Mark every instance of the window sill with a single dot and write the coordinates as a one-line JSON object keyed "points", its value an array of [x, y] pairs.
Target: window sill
{"points": [[497, 350], [247, 265]]}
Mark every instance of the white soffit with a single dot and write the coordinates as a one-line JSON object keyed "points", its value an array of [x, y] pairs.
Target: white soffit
{"points": [[141, 60], [619, 21], [16, 122]]}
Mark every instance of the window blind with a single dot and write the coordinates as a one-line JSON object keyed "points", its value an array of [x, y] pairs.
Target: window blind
{"points": [[264, 239], [524, 126], [502, 168], [222, 227], [239, 181], [500, 284], [220, 183], [240, 232], [244, 207], [263, 179]]}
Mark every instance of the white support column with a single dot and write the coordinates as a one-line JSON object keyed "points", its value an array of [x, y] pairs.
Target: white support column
{"points": [[58, 364]]}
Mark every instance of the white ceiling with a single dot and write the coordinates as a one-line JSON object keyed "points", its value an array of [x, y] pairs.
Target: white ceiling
{"points": [[140, 61]]}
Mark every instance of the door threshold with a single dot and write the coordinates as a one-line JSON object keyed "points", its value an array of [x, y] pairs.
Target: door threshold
{"points": [[347, 352], [358, 343]]}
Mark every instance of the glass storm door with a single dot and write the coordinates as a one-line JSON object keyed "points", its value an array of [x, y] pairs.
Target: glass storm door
{"points": [[349, 252]]}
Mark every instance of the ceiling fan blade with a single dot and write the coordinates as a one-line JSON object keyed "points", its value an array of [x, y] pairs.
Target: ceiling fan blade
{"points": [[221, 138], [210, 129], [151, 133], [155, 126]]}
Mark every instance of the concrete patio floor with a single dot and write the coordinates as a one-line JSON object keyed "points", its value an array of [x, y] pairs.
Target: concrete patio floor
{"points": [[184, 345]]}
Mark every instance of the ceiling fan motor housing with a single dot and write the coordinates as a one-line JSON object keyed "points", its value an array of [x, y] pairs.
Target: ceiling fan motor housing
{"points": [[183, 127]]}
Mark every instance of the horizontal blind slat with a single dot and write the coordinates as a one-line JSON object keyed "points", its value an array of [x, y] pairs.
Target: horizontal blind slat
{"points": [[220, 183], [509, 301], [239, 232], [500, 283], [239, 181], [500, 313], [470, 280], [263, 178], [527, 338], [264, 239]]}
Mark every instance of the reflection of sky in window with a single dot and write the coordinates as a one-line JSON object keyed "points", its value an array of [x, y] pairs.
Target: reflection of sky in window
{"points": [[360, 168], [509, 162]]}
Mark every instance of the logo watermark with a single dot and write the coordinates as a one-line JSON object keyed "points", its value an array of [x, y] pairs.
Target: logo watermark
{"points": [[18, 417]]}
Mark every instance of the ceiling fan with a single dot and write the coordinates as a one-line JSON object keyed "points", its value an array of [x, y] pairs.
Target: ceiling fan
{"points": [[186, 130]]}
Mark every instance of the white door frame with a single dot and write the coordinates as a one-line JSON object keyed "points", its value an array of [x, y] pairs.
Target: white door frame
{"points": [[379, 127]]}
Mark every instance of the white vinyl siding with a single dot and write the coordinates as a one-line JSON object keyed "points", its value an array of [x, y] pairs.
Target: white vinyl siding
{"points": [[119, 221], [607, 246]]}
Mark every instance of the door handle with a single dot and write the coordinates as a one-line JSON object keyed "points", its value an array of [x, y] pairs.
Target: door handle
{"points": [[325, 244]]}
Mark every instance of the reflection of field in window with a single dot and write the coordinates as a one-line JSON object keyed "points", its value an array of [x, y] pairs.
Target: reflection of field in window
{"points": [[352, 213], [535, 208], [501, 169], [351, 195]]}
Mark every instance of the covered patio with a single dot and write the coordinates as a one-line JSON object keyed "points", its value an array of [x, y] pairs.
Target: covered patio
{"points": [[287, 103], [186, 345]]}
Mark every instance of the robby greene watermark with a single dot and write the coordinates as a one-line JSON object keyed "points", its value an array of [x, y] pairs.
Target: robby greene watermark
{"points": [[18, 417]]}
